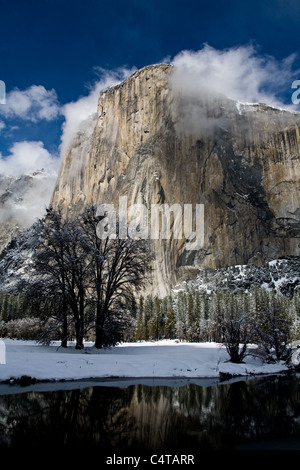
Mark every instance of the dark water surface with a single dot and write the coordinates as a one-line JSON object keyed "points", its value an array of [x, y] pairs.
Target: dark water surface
{"points": [[157, 418]]}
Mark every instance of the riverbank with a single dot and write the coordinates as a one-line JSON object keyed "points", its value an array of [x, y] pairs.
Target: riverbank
{"points": [[28, 361]]}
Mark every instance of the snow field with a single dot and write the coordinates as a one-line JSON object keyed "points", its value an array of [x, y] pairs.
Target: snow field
{"points": [[160, 359]]}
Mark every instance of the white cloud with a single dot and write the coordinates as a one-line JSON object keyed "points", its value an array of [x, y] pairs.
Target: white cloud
{"points": [[27, 157], [203, 80], [33, 104], [27, 197], [37, 103], [80, 110], [239, 73]]}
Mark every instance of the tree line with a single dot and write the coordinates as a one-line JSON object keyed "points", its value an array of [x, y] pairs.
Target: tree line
{"points": [[264, 317], [237, 319]]}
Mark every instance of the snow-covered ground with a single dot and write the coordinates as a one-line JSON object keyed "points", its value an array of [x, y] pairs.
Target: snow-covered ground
{"points": [[163, 359]]}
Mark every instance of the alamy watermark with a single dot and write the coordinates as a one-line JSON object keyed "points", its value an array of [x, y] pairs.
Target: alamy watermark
{"points": [[2, 352], [160, 221], [2, 92], [296, 94]]}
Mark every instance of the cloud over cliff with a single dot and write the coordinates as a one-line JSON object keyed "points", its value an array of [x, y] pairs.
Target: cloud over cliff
{"points": [[202, 82], [24, 191], [240, 73]]}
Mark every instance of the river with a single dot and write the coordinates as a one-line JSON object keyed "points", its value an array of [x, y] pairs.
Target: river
{"points": [[133, 418]]}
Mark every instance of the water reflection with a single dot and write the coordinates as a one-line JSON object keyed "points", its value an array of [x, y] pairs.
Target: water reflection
{"points": [[141, 419]]}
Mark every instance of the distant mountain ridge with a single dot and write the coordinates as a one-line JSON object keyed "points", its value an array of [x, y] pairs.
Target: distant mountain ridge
{"points": [[23, 199]]}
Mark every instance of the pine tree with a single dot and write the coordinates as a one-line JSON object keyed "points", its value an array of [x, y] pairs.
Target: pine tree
{"points": [[170, 319], [295, 313], [152, 328], [140, 330], [148, 313], [273, 327], [140, 324], [5, 308], [181, 309]]}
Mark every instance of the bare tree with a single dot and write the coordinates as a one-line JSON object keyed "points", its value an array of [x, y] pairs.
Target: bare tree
{"points": [[118, 269], [90, 274], [237, 336], [274, 332], [236, 327], [60, 265]]}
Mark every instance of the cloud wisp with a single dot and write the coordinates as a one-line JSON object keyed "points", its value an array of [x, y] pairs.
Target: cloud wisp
{"points": [[24, 191], [27, 157], [33, 104], [76, 112], [28, 197], [239, 73], [36, 104], [203, 81], [24, 199]]}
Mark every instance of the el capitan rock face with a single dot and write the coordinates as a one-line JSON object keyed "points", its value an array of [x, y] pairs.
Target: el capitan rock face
{"points": [[156, 143]]}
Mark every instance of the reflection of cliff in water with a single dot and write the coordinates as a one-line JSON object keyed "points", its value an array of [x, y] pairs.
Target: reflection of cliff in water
{"points": [[146, 419], [91, 417]]}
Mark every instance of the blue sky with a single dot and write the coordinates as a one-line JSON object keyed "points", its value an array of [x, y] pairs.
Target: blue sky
{"points": [[57, 55]]}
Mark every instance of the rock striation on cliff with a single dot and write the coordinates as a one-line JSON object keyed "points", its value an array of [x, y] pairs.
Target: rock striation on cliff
{"points": [[155, 143]]}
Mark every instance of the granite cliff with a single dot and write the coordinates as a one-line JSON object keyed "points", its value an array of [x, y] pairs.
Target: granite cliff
{"points": [[156, 143]]}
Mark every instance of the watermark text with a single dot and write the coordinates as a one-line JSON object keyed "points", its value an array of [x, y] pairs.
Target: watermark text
{"points": [[155, 459], [2, 352], [2, 92], [296, 94], [159, 222]]}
